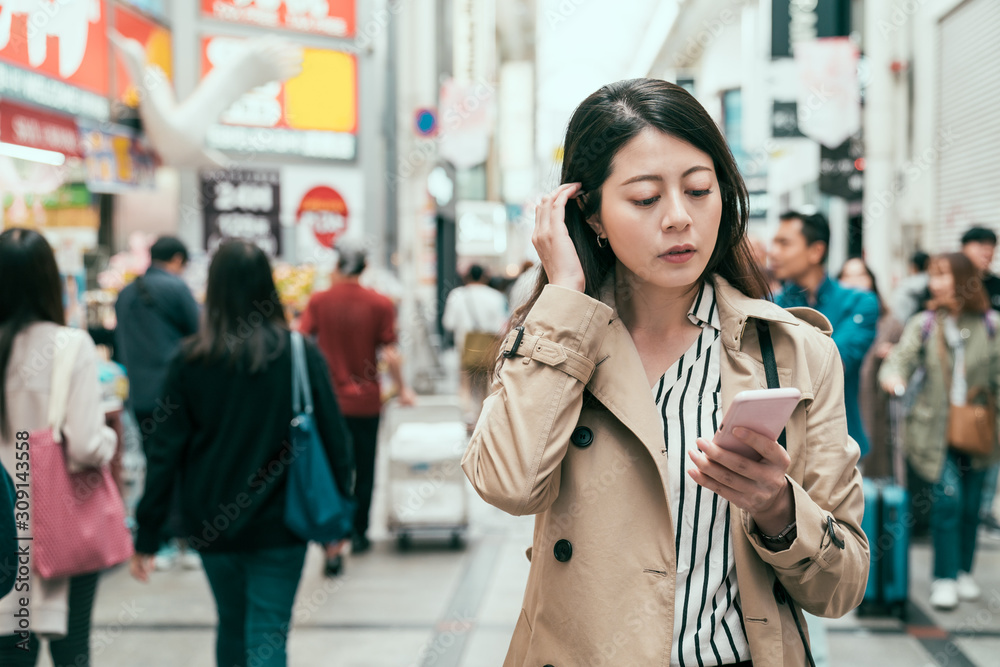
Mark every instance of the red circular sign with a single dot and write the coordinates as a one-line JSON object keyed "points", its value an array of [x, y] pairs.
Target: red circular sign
{"points": [[325, 211]]}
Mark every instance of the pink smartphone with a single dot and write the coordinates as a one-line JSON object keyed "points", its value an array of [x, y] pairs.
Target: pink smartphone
{"points": [[763, 411]]}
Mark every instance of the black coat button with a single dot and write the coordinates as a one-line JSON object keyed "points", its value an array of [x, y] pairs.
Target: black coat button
{"points": [[582, 436], [563, 551]]}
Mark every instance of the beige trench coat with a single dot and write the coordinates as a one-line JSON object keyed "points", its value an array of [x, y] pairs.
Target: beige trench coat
{"points": [[612, 601]]}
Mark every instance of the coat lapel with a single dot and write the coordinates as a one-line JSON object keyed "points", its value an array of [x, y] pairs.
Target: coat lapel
{"points": [[620, 385], [619, 382]]}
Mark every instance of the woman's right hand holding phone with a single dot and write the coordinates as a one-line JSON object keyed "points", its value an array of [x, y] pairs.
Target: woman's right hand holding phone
{"points": [[551, 239]]}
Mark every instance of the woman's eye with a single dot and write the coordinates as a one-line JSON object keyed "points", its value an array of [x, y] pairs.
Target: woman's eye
{"points": [[647, 202], [700, 193]]}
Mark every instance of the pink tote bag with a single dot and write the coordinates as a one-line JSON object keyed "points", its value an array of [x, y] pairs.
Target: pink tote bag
{"points": [[78, 519]]}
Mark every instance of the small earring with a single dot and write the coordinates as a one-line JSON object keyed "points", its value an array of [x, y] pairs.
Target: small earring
{"points": [[602, 238]]}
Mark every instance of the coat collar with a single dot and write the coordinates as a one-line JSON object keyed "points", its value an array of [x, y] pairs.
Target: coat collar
{"points": [[619, 381], [735, 308]]}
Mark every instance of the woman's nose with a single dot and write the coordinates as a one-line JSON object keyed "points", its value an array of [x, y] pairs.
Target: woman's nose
{"points": [[675, 213]]}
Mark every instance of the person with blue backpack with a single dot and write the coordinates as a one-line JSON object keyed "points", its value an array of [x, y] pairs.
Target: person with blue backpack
{"points": [[247, 442], [950, 355]]}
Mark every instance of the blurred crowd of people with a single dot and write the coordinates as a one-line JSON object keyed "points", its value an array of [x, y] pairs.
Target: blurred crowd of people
{"points": [[210, 391], [929, 345]]}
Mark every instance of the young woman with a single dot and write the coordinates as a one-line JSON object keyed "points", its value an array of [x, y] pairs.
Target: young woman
{"points": [[32, 332], [652, 543], [955, 343], [225, 430], [874, 402]]}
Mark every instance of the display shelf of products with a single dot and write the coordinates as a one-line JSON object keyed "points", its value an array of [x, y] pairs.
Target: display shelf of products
{"points": [[295, 284]]}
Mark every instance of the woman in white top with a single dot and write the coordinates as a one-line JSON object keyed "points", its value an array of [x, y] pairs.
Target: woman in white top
{"points": [[32, 332]]}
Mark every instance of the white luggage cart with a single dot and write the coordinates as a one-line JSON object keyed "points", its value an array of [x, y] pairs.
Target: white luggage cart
{"points": [[427, 489]]}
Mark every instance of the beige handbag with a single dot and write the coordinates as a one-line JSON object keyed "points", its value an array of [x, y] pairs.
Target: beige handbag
{"points": [[479, 350]]}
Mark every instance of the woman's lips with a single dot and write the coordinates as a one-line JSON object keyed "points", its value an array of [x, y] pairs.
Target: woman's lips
{"points": [[678, 256]]}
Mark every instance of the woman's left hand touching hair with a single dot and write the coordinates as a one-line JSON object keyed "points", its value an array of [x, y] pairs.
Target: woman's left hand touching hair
{"points": [[758, 487]]}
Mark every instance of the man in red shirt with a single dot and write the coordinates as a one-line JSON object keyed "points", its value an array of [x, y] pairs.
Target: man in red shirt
{"points": [[352, 325]]}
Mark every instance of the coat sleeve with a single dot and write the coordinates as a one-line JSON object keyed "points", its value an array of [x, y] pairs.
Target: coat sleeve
{"points": [[856, 333], [514, 458], [825, 570], [907, 354]]}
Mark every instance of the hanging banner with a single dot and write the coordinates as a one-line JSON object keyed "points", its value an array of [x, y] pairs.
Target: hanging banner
{"points": [[156, 41], [242, 204], [841, 169], [314, 114], [56, 54], [335, 18], [794, 21], [829, 99], [466, 122]]}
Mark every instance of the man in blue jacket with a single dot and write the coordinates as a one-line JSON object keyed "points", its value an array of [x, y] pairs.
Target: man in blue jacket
{"points": [[154, 312], [798, 258]]}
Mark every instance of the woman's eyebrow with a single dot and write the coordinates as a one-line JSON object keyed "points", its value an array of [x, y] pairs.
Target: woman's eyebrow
{"points": [[659, 179], [643, 177], [697, 167]]}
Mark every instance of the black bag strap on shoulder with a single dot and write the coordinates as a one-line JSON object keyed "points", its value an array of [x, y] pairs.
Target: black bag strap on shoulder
{"points": [[770, 365], [781, 596]]}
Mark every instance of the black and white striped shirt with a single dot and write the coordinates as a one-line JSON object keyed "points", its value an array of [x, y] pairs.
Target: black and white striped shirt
{"points": [[708, 619]]}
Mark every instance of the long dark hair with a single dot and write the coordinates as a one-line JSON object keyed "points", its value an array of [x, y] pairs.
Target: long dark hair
{"points": [[30, 291], [244, 322], [599, 128], [970, 295]]}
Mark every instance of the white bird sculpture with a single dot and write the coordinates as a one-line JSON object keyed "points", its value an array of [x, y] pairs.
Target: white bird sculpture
{"points": [[177, 130]]}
